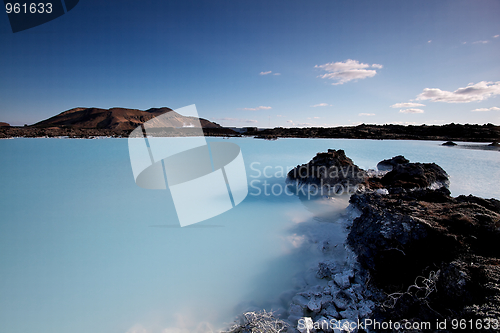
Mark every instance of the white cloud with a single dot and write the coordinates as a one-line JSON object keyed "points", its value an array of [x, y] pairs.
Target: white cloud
{"points": [[366, 114], [486, 109], [257, 108], [315, 117], [290, 121], [411, 111], [406, 105], [473, 92], [496, 36], [404, 123], [481, 42], [305, 125], [347, 71], [320, 104], [329, 125], [429, 41], [279, 115], [269, 72]]}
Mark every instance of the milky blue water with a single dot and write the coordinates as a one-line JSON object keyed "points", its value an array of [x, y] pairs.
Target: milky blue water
{"points": [[83, 249]]}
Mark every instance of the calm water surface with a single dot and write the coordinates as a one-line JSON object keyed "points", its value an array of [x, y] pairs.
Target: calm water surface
{"points": [[83, 249]]}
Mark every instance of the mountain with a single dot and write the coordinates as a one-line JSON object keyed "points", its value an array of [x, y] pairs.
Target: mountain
{"points": [[117, 119]]}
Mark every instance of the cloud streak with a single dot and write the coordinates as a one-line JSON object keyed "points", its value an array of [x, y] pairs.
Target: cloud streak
{"points": [[406, 123], [472, 93], [349, 70], [411, 111], [366, 114], [494, 108], [319, 105], [406, 105], [269, 72], [257, 108]]}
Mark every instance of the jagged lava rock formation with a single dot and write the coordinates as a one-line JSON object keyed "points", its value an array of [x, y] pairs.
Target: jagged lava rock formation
{"points": [[418, 254], [332, 170], [388, 165], [435, 256], [415, 175]]}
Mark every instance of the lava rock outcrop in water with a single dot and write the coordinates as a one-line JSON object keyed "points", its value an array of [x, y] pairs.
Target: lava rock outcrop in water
{"points": [[435, 256], [422, 255], [332, 169], [388, 165]]}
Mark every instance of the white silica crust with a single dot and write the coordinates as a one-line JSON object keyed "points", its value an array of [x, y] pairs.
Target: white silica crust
{"points": [[337, 293]]}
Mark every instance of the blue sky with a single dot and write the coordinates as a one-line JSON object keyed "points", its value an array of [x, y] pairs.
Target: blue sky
{"points": [[339, 62]]}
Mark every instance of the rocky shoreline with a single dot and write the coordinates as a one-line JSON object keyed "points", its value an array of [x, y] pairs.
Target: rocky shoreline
{"points": [[449, 132], [92, 133], [78, 128], [416, 254]]}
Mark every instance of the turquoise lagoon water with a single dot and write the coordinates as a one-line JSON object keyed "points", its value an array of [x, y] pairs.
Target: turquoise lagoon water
{"points": [[83, 249]]}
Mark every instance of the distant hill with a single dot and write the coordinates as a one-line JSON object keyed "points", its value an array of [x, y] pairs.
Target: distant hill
{"points": [[4, 125], [116, 119]]}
